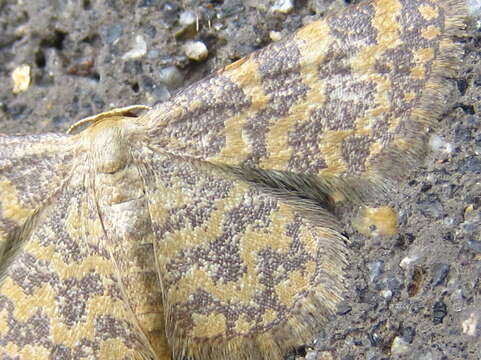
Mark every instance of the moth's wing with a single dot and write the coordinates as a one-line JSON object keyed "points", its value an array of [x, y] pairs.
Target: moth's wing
{"points": [[245, 273], [32, 168], [59, 292], [349, 96]]}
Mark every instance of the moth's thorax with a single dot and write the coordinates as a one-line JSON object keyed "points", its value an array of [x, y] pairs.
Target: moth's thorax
{"points": [[108, 146], [124, 211]]}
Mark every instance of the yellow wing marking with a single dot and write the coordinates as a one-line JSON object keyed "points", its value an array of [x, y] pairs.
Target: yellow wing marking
{"points": [[313, 41], [11, 208], [245, 75]]}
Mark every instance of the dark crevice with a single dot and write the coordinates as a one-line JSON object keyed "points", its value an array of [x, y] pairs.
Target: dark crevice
{"points": [[86, 5], [92, 39], [467, 109], [55, 40], [40, 59], [96, 76]]}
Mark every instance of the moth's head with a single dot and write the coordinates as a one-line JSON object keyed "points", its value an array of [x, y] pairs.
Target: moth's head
{"points": [[105, 137]]}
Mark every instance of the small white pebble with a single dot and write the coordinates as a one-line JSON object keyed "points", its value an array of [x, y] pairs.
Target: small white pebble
{"points": [[261, 5], [218, 26], [21, 78], [171, 76], [437, 143], [386, 294], [318, 355], [426, 356], [312, 355], [187, 18], [275, 35], [407, 261], [153, 54], [139, 49], [283, 6], [449, 221], [196, 50], [470, 325], [399, 346]]}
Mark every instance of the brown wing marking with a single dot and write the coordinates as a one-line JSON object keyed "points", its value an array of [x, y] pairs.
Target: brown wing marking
{"points": [[348, 97]]}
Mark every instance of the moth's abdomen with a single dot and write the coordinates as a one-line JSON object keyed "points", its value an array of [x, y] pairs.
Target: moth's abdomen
{"points": [[124, 212]]}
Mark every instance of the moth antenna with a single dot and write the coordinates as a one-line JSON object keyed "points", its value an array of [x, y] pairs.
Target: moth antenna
{"points": [[123, 111]]}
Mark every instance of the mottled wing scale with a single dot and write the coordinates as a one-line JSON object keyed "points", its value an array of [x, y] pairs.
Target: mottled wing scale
{"points": [[348, 97], [32, 168], [202, 224], [245, 273], [343, 104], [59, 291]]}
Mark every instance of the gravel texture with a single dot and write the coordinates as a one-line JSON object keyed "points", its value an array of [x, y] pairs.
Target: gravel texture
{"points": [[87, 56]]}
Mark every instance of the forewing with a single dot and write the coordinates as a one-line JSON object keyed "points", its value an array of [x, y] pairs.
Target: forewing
{"points": [[59, 293], [32, 168], [347, 96], [245, 274]]}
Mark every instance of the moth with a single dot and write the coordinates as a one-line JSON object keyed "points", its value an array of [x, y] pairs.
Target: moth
{"points": [[202, 228]]}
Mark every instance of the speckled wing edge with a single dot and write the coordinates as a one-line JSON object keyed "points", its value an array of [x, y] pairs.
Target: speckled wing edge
{"points": [[394, 163]]}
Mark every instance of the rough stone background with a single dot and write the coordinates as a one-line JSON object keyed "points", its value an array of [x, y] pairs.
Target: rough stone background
{"points": [[416, 295]]}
